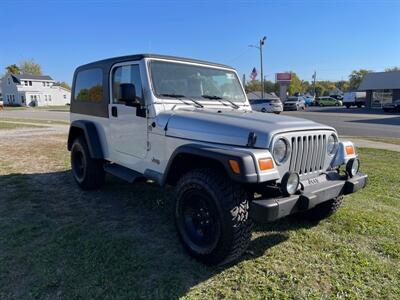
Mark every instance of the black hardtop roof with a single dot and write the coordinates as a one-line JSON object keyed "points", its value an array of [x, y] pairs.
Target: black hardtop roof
{"points": [[118, 59]]}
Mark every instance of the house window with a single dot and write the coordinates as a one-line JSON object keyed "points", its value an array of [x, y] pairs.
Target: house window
{"points": [[49, 97], [48, 83], [31, 97], [65, 96], [13, 98], [26, 83], [45, 97], [44, 83], [30, 83]]}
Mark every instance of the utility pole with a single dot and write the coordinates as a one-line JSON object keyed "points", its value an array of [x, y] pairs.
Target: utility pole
{"points": [[260, 47], [314, 77]]}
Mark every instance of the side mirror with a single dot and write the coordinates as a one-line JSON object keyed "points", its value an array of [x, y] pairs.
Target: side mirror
{"points": [[128, 94]]}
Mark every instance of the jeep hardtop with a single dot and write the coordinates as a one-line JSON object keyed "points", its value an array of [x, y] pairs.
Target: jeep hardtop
{"points": [[187, 123]]}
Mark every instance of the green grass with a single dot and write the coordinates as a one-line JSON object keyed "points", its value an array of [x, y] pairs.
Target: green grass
{"points": [[59, 242], [7, 125], [49, 108]]}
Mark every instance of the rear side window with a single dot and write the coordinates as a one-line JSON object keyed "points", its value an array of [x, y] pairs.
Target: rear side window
{"points": [[89, 85]]}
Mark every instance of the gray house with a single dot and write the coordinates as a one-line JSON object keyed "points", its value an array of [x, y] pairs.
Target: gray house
{"points": [[33, 90], [381, 88]]}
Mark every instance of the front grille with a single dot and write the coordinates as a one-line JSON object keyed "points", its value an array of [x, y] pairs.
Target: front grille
{"points": [[308, 153]]}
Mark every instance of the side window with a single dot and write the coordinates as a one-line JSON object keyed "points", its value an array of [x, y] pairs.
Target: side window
{"points": [[89, 86], [129, 74]]}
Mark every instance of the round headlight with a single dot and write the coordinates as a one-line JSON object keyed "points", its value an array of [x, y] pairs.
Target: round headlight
{"points": [[280, 151], [332, 144], [290, 183], [352, 167]]}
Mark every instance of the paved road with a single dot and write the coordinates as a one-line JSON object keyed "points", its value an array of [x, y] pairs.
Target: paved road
{"points": [[354, 121], [39, 114], [350, 122]]}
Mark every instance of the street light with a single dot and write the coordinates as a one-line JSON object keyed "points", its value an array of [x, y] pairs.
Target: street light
{"points": [[259, 47]]}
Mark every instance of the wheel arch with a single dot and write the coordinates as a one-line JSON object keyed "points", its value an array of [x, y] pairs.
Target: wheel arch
{"points": [[191, 156], [88, 130]]}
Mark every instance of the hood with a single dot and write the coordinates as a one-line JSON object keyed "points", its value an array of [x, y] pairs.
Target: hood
{"points": [[231, 127]]}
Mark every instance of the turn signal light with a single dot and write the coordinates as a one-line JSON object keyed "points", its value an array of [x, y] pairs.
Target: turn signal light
{"points": [[349, 150], [234, 166], [265, 164]]}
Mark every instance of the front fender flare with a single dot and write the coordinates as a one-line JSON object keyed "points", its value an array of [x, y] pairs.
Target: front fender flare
{"points": [[248, 169]]}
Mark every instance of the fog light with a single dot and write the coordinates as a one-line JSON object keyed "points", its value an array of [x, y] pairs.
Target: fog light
{"points": [[352, 167], [290, 183]]}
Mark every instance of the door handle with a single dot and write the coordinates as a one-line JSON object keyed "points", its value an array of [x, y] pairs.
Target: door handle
{"points": [[114, 111]]}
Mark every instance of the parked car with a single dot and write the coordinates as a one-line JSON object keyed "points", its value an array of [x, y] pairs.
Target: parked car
{"points": [[272, 105], [294, 103], [329, 101], [354, 99], [309, 100], [188, 124], [392, 107]]}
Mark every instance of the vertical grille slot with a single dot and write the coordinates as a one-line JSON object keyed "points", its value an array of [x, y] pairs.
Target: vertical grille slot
{"points": [[308, 153]]}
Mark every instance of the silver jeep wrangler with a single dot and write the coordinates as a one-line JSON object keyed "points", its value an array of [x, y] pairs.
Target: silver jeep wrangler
{"points": [[187, 123]]}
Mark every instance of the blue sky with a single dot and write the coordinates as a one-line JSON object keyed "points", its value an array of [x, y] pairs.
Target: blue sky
{"points": [[331, 37]]}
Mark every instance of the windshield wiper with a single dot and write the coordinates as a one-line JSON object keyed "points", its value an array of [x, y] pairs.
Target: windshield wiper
{"points": [[213, 97], [182, 97]]}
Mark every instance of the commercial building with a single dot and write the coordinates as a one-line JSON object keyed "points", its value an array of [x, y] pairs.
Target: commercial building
{"points": [[381, 88]]}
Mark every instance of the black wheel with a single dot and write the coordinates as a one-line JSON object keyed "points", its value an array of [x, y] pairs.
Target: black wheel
{"points": [[323, 210], [263, 110], [359, 105], [336, 104], [87, 172], [211, 215], [347, 106], [321, 105]]}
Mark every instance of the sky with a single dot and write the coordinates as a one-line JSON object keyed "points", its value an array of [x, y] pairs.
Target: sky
{"points": [[331, 37]]}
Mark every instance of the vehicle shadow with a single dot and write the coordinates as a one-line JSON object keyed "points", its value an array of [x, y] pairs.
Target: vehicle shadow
{"points": [[351, 110], [120, 240], [382, 121]]}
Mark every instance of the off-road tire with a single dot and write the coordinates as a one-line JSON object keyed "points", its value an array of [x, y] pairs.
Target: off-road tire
{"points": [[324, 210], [231, 210], [89, 174]]}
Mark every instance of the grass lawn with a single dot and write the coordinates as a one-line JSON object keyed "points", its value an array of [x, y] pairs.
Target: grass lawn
{"points": [[57, 241], [49, 108], [12, 125]]}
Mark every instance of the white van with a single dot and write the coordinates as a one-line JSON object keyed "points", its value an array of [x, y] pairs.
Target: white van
{"points": [[354, 99]]}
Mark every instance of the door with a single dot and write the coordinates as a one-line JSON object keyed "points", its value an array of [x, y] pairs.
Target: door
{"points": [[128, 121]]}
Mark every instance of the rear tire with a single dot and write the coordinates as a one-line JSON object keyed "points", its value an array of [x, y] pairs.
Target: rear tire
{"points": [[87, 172], [323, 210], [211, 215]]}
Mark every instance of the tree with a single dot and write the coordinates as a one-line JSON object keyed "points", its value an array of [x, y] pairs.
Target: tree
{"points": [[356, 77], [342, 85], [30, 67], [296, 85], [392, 69], [253, 86], [13, 69], [63, 84]]}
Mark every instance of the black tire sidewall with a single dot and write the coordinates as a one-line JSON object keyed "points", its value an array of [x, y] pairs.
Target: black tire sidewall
{"points": [[78, 147]]}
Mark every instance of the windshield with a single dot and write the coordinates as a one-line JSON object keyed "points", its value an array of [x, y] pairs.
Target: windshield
{"points": [[197, 82]]}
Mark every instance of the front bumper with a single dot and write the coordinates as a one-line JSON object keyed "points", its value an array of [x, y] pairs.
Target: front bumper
{"points": [[271, 209]]}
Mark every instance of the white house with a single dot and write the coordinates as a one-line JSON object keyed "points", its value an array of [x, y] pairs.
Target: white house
{"points": [[33, 90]]}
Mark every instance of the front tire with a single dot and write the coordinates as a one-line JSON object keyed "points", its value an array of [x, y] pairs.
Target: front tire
{"points": [[324, 210], [211, 215], [87, 172]]}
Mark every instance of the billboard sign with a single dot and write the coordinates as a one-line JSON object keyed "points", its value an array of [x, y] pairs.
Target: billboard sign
{"points": [[283, 77]]}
